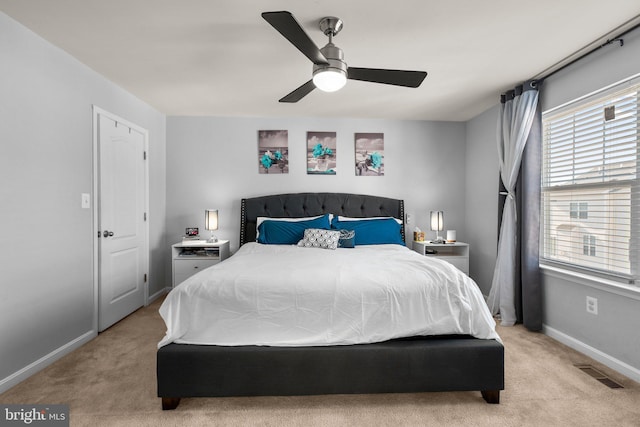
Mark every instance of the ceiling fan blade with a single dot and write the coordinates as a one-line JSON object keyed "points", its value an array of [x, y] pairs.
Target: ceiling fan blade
{"points": [[287, 25], [299, 93], [389, 77]]}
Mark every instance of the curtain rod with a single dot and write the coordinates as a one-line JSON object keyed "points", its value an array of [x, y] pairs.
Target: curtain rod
{"points": [[611, 37]]}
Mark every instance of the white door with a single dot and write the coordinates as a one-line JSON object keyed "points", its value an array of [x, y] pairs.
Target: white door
{"points": [[122, 252]]}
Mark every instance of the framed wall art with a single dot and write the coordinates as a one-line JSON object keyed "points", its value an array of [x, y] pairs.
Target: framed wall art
{"points": [[369, 154], [321, 153], [273, 151]]}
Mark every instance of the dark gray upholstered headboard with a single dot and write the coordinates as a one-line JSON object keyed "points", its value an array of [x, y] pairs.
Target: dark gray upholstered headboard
{"points": [[297, 205]]}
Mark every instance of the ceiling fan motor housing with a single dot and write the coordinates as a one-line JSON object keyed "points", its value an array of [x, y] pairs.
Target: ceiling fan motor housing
{"points": [[334, 57], [331, 77]]}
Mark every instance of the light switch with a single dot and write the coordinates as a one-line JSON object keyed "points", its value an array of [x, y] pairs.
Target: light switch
{"points": [[86, 201]]}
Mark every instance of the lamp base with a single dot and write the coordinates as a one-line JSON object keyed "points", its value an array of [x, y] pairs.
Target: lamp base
{"points": [[438, 239], [212, 239]]}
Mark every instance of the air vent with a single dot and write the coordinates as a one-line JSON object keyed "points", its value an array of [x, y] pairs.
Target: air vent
{"points": [[593, 372]]}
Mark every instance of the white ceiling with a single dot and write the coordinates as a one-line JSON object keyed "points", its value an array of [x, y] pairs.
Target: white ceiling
{"points": [[220, 58]]}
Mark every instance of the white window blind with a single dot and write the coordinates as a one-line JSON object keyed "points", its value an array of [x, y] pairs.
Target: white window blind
{"points": [[590, 200]]}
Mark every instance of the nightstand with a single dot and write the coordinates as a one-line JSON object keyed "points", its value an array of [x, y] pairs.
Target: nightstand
{"points": [[456, 253], [187, 258]]}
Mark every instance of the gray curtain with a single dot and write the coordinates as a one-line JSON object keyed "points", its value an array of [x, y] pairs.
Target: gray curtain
{"points": [[515, 290], [528, 295]]}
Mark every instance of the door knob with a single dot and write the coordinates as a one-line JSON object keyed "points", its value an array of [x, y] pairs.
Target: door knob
{"points": [[107, 233]]}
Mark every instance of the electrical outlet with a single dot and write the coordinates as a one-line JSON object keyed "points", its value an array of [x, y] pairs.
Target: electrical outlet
{"points": [[409, 218], [592, 305]]}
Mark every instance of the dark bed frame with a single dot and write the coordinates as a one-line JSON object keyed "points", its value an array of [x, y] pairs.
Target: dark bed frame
{"points": [[415, 364]]}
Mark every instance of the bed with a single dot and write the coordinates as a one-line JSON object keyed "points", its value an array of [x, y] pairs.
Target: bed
{"points": [[385, 361]]}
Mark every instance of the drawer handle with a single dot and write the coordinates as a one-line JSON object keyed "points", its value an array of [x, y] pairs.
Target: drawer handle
{"points": [[195, 266]]}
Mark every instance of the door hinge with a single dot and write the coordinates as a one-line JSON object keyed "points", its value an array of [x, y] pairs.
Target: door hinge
{"points": [[145, 216], [144, 155], [145, 277]]}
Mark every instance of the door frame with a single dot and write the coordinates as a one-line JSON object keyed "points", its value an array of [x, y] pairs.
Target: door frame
{"points": [[96, 112]]}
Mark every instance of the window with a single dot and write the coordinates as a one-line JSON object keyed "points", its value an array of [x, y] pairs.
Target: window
{"points": [[579, 210], [589, 245], [590, 186]]}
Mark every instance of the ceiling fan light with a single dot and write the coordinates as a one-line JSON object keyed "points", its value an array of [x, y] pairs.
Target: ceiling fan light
{"points": [[329, 80]]}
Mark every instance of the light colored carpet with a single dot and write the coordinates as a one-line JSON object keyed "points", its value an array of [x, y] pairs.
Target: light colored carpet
{"points": [[110, 381]]}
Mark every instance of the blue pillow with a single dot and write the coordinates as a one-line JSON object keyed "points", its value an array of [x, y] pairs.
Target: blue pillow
{"points": [[347, 239], [372, 231], [273, 232]]}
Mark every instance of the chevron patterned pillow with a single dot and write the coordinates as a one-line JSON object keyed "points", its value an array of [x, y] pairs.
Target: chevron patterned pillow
{"points": [[319, 238]]}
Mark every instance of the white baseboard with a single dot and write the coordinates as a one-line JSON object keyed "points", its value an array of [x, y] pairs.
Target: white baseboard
{"points": [[43, 362], [157, 295], [607, 360]]}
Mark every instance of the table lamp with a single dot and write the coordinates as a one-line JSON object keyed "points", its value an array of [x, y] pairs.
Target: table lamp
{"points": [[437, 225], [211, 223]]}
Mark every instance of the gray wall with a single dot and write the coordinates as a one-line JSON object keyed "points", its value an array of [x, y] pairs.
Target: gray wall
{"points": [[612, 336], [213, 163], [482, 196], [46, 162]]}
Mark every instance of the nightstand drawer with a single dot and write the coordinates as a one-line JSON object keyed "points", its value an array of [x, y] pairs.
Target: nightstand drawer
{"points": [[185, 268]]}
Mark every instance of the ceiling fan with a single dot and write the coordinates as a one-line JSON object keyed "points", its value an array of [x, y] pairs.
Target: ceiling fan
{"points": [[330, 72]]}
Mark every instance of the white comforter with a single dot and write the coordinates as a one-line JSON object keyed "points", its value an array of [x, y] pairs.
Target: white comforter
{"points": [[289, 296]]}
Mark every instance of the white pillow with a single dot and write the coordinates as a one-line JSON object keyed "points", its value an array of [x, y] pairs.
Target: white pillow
{"points": [[348, 218], [261, 219], [320, 238]]}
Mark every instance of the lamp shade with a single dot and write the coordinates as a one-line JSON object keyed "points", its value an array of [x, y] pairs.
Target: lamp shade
{"points": [[211, 219], [437, 220]]}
